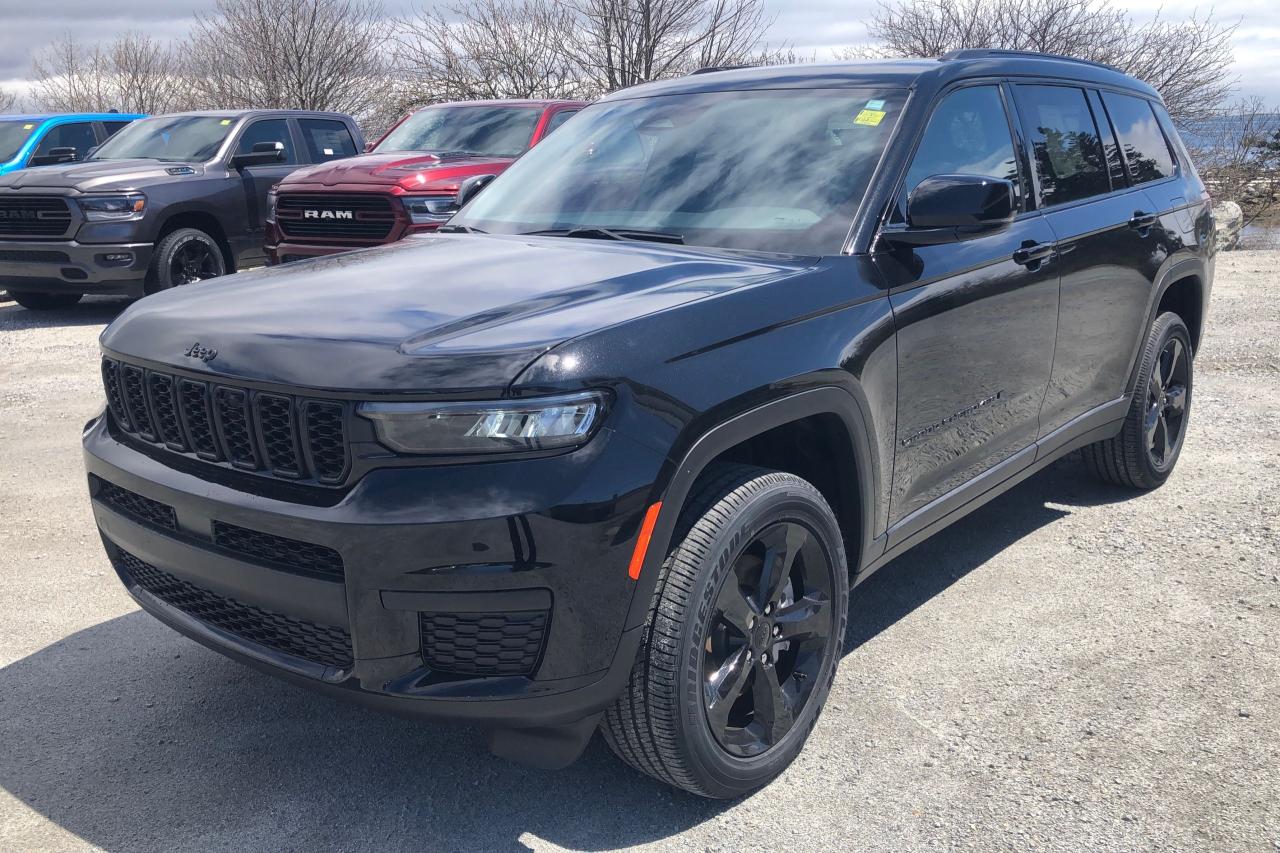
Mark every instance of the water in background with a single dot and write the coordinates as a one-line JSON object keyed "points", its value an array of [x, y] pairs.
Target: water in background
{"points": [[1261, 234]]}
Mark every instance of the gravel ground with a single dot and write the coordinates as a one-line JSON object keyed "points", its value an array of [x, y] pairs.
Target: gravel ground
{"points": [[1070, 668]]}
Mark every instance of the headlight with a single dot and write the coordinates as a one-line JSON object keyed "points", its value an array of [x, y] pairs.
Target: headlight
{"points": [[429, 210], [113, 208], [543, 423]]}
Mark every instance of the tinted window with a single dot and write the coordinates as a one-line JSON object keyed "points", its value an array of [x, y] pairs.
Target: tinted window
{"points": [[79, 136], [114, 127], [769, 170], [169, 138], [968, 134], [1115, 164], [559, 119], [268, 130], [1068, 154], [326, 139], [13, 135], [490, 131], [1145, 148]]}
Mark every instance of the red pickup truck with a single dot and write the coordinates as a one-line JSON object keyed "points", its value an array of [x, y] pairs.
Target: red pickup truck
{"points": [[409, 182]]}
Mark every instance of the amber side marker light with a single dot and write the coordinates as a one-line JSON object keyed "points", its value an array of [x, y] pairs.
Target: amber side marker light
{"points": [[642, 541]]}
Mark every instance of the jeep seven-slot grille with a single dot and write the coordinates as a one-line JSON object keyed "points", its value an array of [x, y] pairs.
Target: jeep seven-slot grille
{"points": [[324, 644], [336, 216], [483, 644], [34, 216], [264, 432]]}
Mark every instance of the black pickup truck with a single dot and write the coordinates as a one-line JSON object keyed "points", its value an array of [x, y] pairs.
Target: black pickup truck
{"points": [[168, 200], [611, 448]]}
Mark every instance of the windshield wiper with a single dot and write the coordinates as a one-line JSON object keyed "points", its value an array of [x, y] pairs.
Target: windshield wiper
{"points": [[460, 229], [597, 233]]}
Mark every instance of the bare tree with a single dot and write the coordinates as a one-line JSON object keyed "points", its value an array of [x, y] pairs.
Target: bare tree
{"points": [[1187, 61], [487, 49], [1238, 155], [300, 54], [8, 101], [133, 73], [619, 43]]}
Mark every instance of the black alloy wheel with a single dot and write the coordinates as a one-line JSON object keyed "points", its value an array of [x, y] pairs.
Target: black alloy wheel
{"points": [[764, 650], [1167, 392], [194, 261]]}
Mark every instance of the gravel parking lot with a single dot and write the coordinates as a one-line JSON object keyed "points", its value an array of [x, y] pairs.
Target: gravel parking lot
{"points": [[1070, 668]]}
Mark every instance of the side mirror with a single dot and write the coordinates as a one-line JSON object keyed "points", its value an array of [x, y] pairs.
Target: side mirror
{"points": [[55, 155], [950, 208], [262, 154], [369, 146], [471, 187]]}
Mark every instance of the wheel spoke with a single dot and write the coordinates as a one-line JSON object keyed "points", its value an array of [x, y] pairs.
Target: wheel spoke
{"points": [[804, 619], [1150, 424], [725, 686], [1175, 358], [734, 607], [782, 543], [773, 707], [1162, 437], [1176, 399]]}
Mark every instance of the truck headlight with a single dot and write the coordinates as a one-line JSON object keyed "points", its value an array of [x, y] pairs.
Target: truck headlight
{"points": [[113, 208], [430, 210], [506, 426]]}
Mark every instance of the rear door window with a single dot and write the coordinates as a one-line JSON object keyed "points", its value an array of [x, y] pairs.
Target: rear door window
{"points": [[268, 130], [78, 135], [114, 127], [1145, 148], [1068, 155], [327, 139]]}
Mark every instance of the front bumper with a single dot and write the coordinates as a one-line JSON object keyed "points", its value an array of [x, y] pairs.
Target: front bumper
{"points": [[552, 535], [41, 266]]}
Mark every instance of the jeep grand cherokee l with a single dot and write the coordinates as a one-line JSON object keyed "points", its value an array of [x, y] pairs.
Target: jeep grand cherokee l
{"points": [[168, 200], [412, 181], [610, 450]]}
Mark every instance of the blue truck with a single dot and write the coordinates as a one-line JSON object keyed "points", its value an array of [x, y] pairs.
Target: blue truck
{"points": [[43, 140]]}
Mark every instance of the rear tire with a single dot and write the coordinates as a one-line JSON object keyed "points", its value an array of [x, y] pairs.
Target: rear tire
{"points": [[184, 256], [721, 710], [45, 301], [1143, 453]]}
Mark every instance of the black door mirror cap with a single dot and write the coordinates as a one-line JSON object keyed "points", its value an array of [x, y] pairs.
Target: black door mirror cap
{"points": [[55, 155], [471, 187], [961, 201], [262, 154]]}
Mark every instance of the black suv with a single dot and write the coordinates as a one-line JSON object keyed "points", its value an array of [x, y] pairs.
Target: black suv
{"points": [[612, 449], [166, 201]]}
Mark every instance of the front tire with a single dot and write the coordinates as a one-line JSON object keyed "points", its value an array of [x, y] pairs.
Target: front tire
{"points": [[45, 301], [1144, 452], [743, 637], [184, 256]]}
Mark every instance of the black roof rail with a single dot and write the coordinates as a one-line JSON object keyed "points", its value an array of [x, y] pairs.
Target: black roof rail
{"points": [[987, 52], [711, 69]]}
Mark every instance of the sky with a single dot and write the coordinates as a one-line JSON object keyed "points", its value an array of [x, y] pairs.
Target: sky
{"points": [[811, 26]]}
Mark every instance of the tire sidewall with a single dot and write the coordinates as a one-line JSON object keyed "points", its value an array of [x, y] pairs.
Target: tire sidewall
{"points": [[160, 278], [731, 775]]}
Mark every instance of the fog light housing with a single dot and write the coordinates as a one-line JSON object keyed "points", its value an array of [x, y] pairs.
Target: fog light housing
{"points": [[115, 259]]}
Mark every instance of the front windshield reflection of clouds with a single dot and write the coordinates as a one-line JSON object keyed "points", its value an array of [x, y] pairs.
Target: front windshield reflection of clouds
{"points": [[193, 139], [769, 170]]}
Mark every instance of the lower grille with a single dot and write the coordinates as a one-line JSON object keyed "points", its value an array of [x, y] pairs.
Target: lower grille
{"points": [[19, 256], [303, 558], [483, 644], [323, 644], [134, 505]]}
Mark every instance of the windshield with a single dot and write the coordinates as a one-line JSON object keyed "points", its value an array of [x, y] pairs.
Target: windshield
{"points": [[490, 131], [171, 138], [12, 136], [770, 170]]}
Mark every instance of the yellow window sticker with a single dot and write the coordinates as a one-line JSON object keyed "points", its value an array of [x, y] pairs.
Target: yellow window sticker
{"points": [[870, 118], [27, 126], [225, 121]]}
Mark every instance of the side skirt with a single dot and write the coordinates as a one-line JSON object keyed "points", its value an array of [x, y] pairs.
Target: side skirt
{"points": [[1094, 425]]}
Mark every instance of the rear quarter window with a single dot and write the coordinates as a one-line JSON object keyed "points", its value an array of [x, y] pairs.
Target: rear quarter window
{"points": [[327, 139], [1145, 148]]}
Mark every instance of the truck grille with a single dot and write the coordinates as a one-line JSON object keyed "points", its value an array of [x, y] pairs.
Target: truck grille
{"points": [[366, 217], [483, 644], [324, 644], [34, 216], [263, 432]]}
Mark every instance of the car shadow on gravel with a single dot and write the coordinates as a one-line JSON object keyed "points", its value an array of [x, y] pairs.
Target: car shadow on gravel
{"points": [[92, 311], [132, 737]]}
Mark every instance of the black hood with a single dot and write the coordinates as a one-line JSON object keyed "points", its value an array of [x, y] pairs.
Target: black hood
{"points": [[100, 175], [441, 314]]}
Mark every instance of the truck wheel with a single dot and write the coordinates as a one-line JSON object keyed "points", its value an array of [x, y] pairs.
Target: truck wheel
{"points": [[1143, 454], [744, 633], [45, 301], [184, 256]]}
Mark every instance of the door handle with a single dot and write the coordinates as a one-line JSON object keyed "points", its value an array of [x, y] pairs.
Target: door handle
{"points": [[1142, 221], [1033, 254]]}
